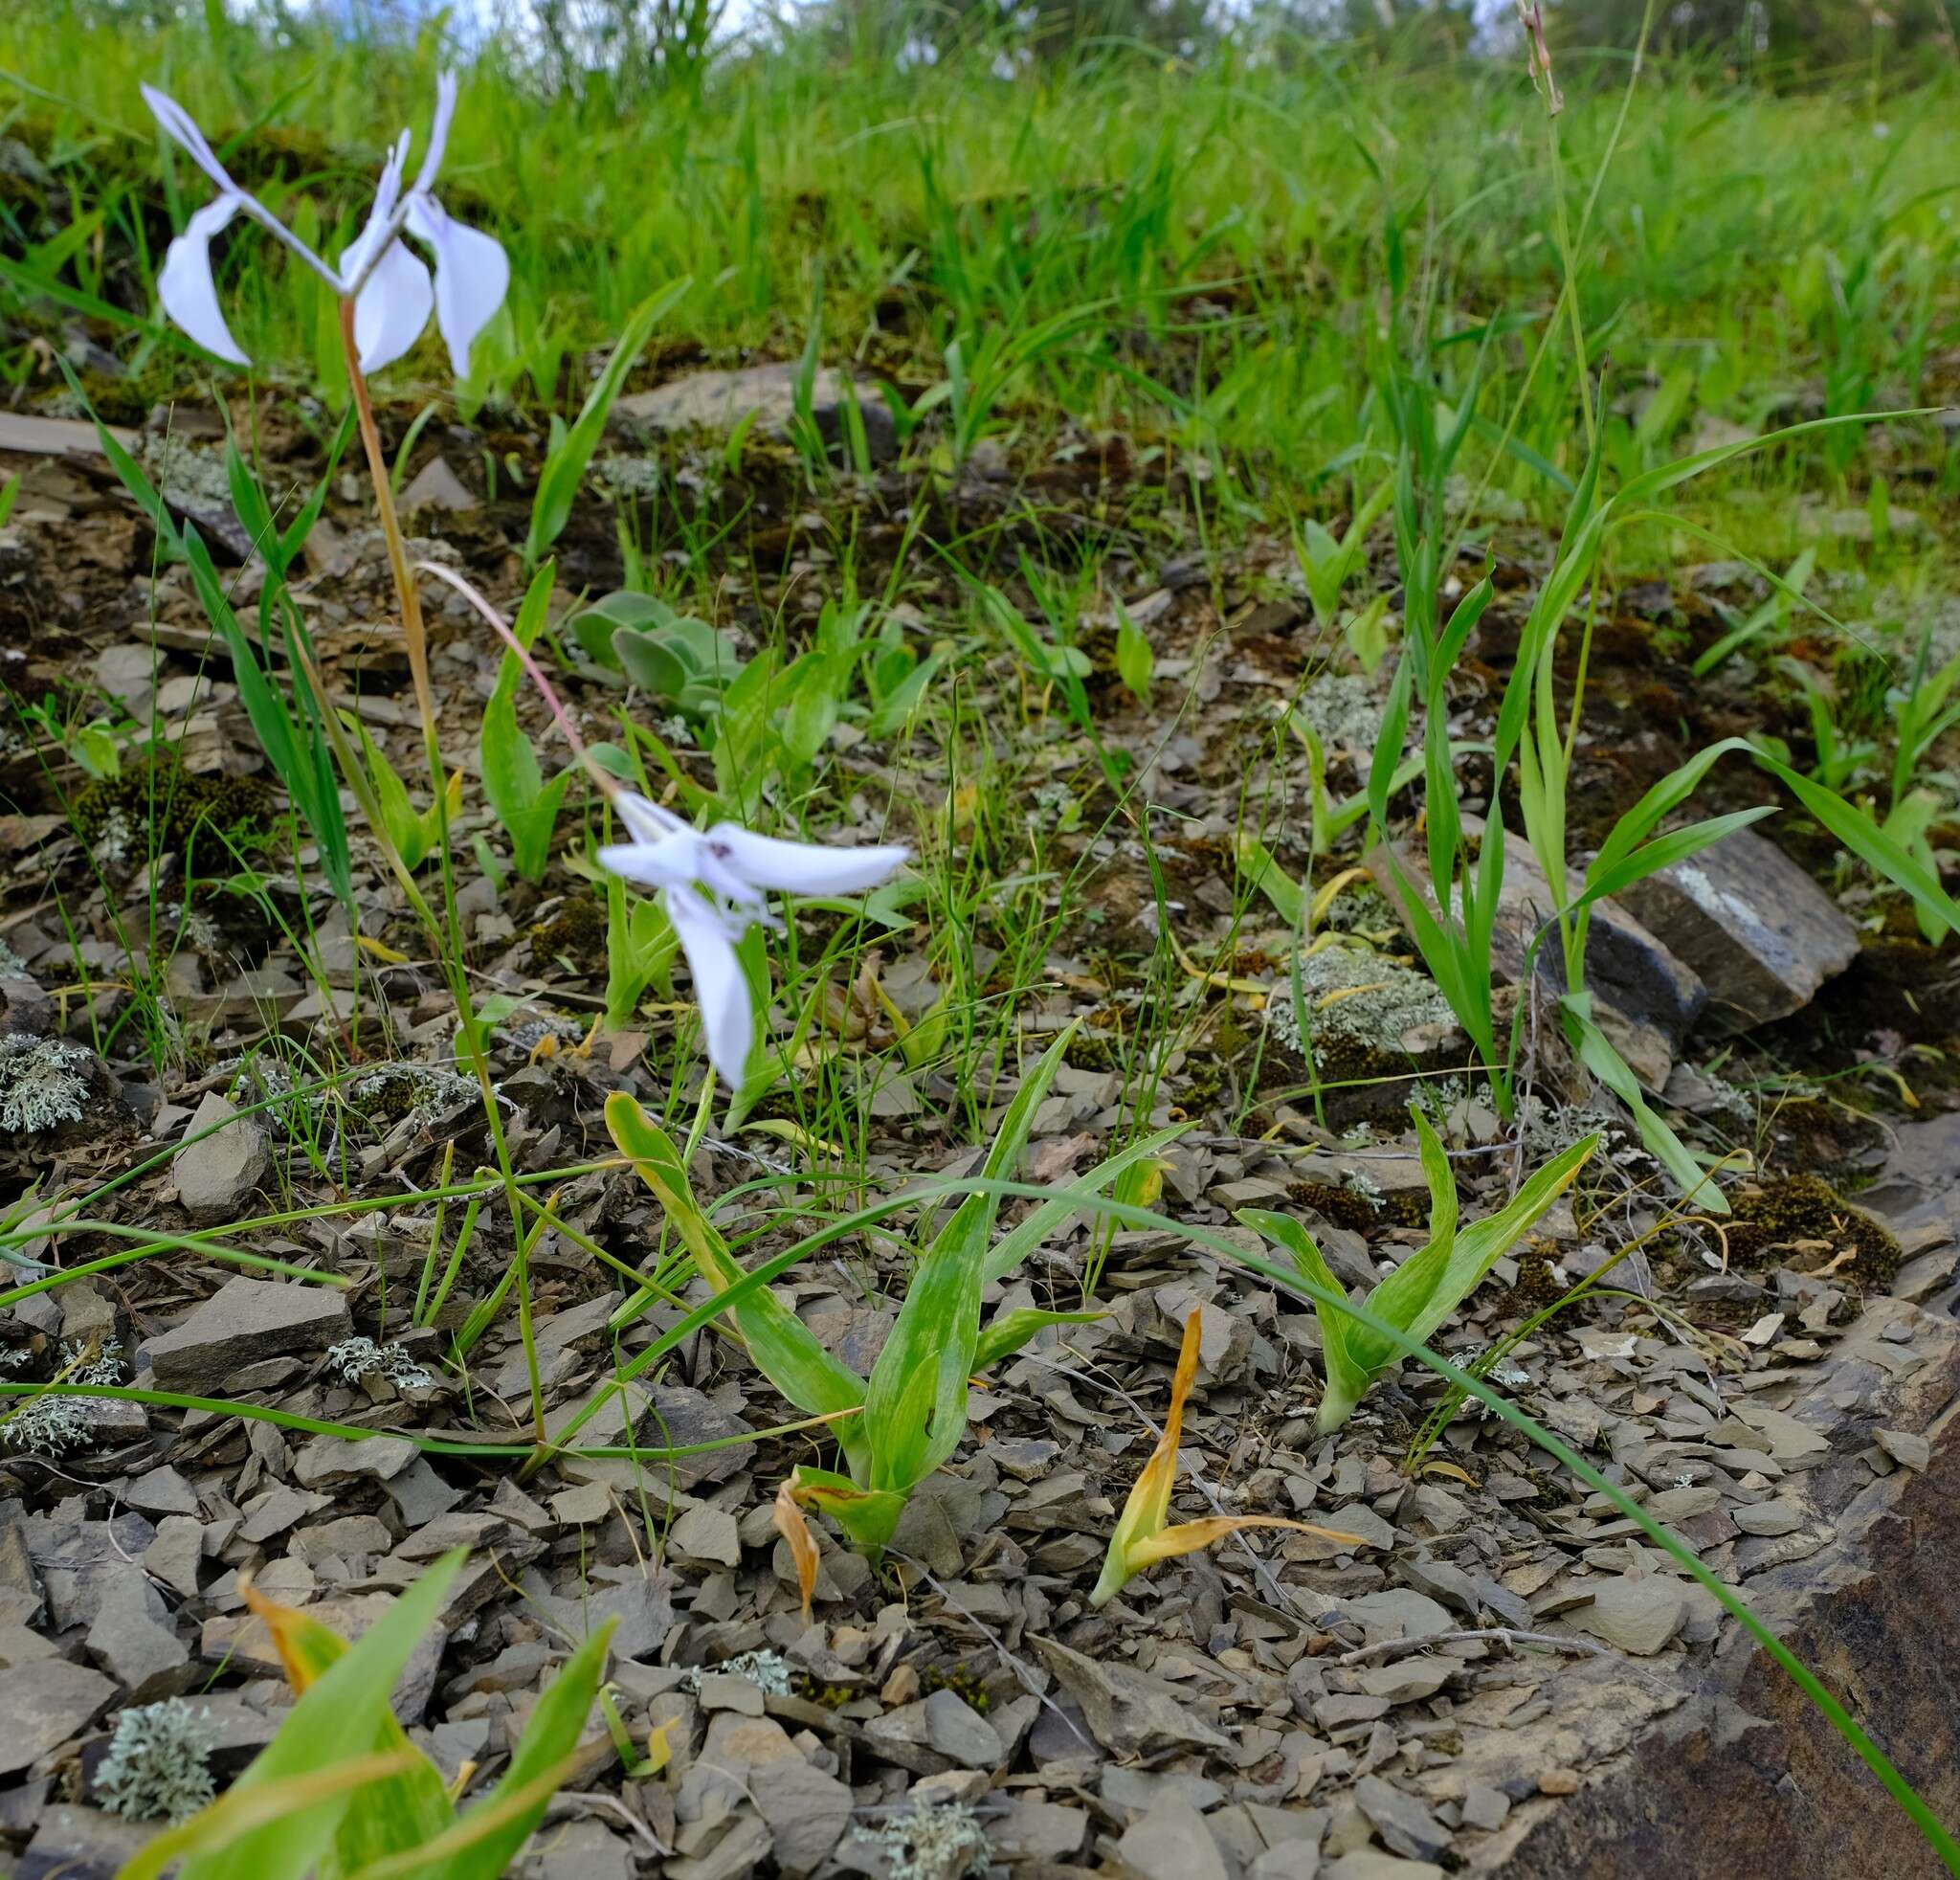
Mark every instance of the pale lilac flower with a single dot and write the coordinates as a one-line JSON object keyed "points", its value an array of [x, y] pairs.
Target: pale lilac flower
{"points": [[391, 288], [713, 885]]}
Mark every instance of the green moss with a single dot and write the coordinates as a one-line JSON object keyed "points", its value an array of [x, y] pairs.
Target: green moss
{"points": [[962, 1681], [1538, 1282], [576, 933], [1345, 1207], [157, 806], [1802, 1222]]}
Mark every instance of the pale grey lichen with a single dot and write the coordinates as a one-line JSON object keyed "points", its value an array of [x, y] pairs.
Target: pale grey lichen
{"points": [[1364, 996], [423, 1092], [158, 1768], [11, 964], [82, 1364], [1343, 710], [942, 1842], [38, 1084], [114, 839], [355, 1358], [181, 468], [769, 1671], [629, 475], [48, 1426]]}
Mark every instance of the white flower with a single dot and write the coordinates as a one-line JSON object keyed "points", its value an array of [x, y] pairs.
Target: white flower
{"points": [[392, 290], [737, 868]]}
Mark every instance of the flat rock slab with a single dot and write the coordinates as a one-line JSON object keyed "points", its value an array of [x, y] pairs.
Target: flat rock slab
{"points": [[1762, 935], [1679, 1766], [721, 400], [1646, 996], [246, 1320], [49, 1701]]}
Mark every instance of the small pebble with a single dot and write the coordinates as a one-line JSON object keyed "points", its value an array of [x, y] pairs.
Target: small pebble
{"points": [[1559, 1781]]}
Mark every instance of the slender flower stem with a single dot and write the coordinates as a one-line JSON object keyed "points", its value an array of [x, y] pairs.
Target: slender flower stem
{"points": [[446, 935], [413, 635]]}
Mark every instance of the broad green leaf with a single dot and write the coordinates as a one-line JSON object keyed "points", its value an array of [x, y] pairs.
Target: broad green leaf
{"points": [[1596, 1052], [914, 1401], [397, 1813], [550, 1737], [1006, 1334], [339, 1717], [1348, 1381], [513, 782], [782, 1347], [1021, 1240], [1429, 1286]]}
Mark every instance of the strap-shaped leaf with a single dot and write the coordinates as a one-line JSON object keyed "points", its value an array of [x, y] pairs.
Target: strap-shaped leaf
{"points": [[785, 1349], [915, 1403]]}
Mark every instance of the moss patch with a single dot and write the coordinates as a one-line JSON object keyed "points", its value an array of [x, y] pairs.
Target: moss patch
{"points": [[155, 805], [1802, 1222], [576, 933]]}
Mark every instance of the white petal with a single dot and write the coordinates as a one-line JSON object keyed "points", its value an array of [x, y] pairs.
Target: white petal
{"points": [[803, 868], [472, 275], [647, 822], [180, 125], [394, 306], [438, 132], [667, 862], [186, 287], [720, 987]]}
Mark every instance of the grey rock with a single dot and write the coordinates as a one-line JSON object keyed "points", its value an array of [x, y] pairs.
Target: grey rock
{"points": [[807, 1813], [1762, 935], [327, 1462], [706, 1536], [47, 1702], [1407, 1680], [88, 1314], [162, 1491], [77, 1560], [132, 1640], [72, 1842], [740, 1851], [246, 1320], [1401, 1821], [1172, 1842], [1290, 1860], [1486, 1807], [216, 1176], [721, 400], [435, 487], [584, 1850], [1138, 1790], [20, 1585], [127, 672], [1442, 1582], [1768, 1517], [176, 1554], [1031, 1829], [1637, 1616], [955, 1729], [1366, 1863], [1127, 1710]]}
